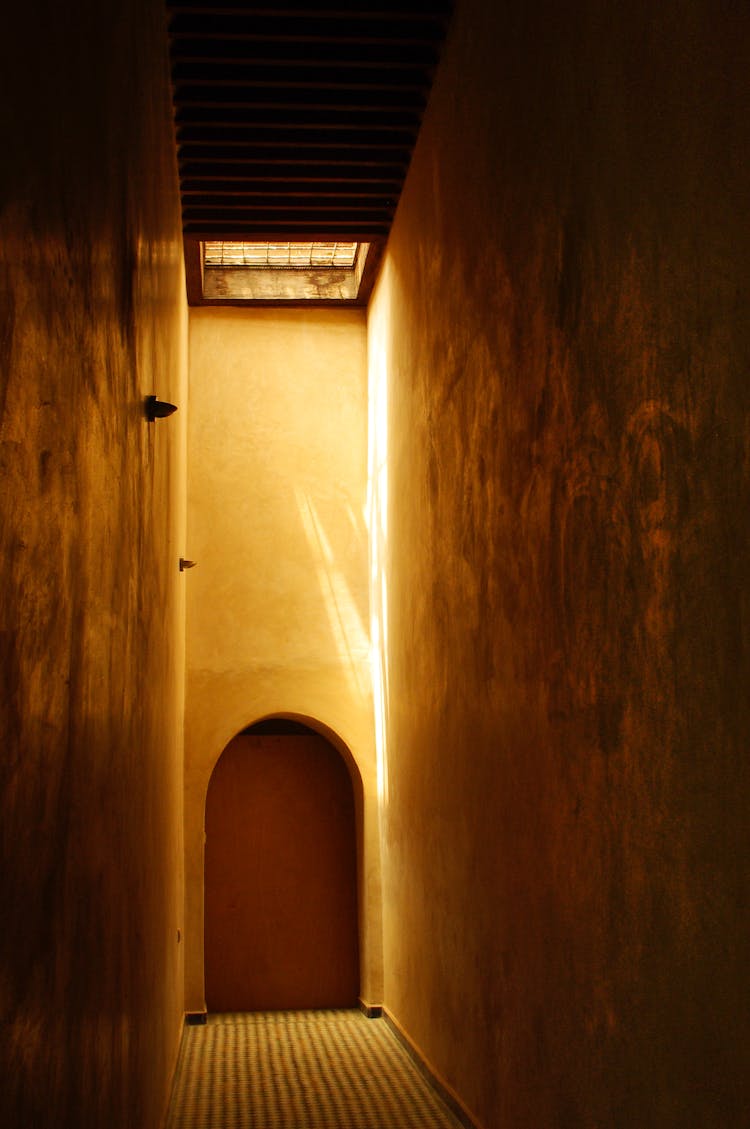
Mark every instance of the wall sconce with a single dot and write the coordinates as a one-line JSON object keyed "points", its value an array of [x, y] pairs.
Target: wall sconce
{"points": [[157, 409], [184, 564]]}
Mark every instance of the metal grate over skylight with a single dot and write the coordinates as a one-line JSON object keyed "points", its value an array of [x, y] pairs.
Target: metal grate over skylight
{"points": [[280, 256]]}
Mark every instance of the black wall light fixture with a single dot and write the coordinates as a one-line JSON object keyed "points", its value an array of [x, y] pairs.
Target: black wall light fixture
{"points": [[186, 564], [157, 409]]}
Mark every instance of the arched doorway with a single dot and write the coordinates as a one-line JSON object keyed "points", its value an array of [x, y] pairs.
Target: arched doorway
{"points": [[280, 878]]}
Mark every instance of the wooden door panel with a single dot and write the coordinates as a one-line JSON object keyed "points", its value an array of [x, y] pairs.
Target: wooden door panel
{"points": [[280, 894]]}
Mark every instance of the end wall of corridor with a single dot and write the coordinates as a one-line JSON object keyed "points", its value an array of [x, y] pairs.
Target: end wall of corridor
{"points": [[277, 607]]}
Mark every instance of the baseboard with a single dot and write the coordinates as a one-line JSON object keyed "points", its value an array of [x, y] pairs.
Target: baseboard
{"points": [[372, 1011], [195, 1018], [172, 1076], [430, 1074]]}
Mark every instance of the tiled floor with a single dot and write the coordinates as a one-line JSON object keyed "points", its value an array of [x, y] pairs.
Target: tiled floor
{"points": [[300, 1070]]}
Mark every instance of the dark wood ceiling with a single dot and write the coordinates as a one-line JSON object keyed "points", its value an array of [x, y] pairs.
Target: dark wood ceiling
{"points": [[298, 120]]}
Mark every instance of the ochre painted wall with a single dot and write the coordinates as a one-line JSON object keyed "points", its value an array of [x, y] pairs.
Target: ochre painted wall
{"points": [[560, 347], [92, 319], [277, 607], [281, 876]]}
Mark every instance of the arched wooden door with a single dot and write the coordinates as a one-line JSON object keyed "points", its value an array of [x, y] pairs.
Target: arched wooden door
{"points": [[280, 878]]}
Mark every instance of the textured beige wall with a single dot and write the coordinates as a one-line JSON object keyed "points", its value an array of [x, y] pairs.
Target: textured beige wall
{"points": [[277, 613], [560, 344], [92, 319]]}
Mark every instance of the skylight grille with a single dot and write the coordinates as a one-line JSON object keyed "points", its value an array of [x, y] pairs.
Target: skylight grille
{"points": [[280, 256]]}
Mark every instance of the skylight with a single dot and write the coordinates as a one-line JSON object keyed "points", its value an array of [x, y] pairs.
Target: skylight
{"points": [[280, 256], [282, 272]]}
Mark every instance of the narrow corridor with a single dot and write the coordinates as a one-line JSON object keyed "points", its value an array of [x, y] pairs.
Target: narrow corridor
{"points": [[300, 1070]]}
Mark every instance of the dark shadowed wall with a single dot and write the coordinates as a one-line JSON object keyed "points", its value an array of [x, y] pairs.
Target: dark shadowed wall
{"points": [[91, 654], [559, 344]]}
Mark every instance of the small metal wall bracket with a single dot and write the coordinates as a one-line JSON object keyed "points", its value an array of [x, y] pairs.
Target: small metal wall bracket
{"points": [[184, 564], [157, 409]]}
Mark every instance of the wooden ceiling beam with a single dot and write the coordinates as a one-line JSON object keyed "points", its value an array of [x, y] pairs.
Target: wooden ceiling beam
{"points": [[297, 151], [437, 10], [292, 155], [221, 74], [306, 28], [333, 208], [300, 116], [365, 55], [313, 206], [269, 118], [279, 137], [267, 232], [264, 189], [290, 99], [293, 174]]}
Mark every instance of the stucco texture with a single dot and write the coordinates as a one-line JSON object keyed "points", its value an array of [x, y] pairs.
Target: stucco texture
{"points": [[277, 607], [559, 347], [92, 320]]}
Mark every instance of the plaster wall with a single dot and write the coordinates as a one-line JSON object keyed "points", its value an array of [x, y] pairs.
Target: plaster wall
{"points": [[277, 607], [92, 319], [559, 346]]}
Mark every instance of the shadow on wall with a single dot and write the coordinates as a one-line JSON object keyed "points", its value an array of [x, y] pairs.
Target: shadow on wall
{"points": [[281, 872]]}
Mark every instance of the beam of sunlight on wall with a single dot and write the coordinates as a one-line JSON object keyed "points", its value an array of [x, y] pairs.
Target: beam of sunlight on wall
{"points": [[344, 618], [377, 522]]}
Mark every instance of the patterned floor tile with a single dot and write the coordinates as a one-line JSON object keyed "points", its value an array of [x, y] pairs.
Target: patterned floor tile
{"points": [[300, 1070]]}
